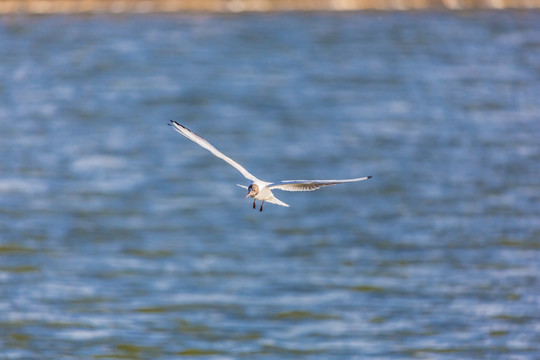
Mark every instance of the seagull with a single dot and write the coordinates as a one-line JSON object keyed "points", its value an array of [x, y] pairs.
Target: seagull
{"points": [[258, 189]]}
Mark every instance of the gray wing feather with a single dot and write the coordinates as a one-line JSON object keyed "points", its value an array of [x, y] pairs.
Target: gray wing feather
{"points": [[310, 185]]}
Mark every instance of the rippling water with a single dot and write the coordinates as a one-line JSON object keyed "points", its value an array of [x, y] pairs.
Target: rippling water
{"points": [[121, 239]]}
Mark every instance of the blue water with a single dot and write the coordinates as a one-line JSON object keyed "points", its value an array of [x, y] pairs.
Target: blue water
{"points": [[121, 239]]}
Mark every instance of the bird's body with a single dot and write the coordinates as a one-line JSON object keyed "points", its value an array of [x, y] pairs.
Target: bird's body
{"points": [[258, 189], [262, 192]]}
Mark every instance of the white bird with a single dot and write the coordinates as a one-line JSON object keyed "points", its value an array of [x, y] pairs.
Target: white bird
{"points": [[258, 189]]}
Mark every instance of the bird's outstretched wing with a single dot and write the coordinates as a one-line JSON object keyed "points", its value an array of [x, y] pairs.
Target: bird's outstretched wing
{"points": [[310, 185], [205, 144]]}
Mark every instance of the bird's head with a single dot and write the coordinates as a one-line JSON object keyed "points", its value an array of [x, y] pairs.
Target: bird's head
{"points": [[253, 190]]}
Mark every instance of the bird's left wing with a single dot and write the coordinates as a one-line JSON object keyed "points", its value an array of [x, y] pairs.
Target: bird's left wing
{"points": [[205, 144], [310, 185]]}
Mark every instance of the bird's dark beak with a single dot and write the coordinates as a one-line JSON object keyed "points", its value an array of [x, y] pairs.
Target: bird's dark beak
{"points": [[251, 192]]}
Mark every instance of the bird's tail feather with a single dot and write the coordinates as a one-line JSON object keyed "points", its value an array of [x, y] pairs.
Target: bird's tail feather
{"points": [[275, 200]]}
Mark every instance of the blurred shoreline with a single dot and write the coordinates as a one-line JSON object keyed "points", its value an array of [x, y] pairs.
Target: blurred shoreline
{"points": [[233, 6]]}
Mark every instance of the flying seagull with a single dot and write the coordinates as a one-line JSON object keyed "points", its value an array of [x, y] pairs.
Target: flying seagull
{"points": [[258, 189]]}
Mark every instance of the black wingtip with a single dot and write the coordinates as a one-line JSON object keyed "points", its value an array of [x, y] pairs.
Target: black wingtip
{"points": [[175, 123], [369, 177]]}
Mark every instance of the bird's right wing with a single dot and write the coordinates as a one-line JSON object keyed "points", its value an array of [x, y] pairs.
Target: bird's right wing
{"points": [[205, 144]]}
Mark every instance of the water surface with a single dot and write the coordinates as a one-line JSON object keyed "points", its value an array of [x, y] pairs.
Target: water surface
{"points": [[121, 239]]}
